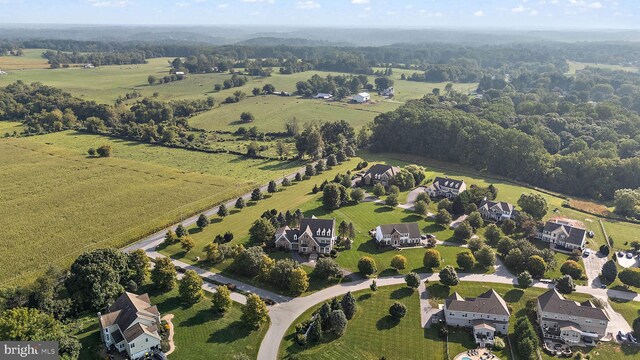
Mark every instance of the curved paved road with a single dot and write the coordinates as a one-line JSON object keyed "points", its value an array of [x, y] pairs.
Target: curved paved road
{"points": [[284, 314]]}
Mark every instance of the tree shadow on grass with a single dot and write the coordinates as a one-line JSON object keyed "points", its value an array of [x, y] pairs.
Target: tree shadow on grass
{"points": [[411, 218], [437, 290], [401, 293], [235, 331], [194, 230], [215, 220], [513, 295], [387, 322], [388, 272], [199, 318], [383, 209], [234, 211], [364, 297]]}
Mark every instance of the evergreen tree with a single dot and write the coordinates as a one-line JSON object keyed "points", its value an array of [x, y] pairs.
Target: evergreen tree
{"points": [[349, 305]]}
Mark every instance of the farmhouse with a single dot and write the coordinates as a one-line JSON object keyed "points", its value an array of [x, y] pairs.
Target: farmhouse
{"points": [[398, 235], [362, 97], [131, 325], [380, 173], [89, 66], [497, 211], [323, 96], [487, 314], [313, 236], [388, 91], [570, 321], [563, 232], [445, 187]]}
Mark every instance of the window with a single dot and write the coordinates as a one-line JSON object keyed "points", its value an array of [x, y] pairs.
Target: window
{"points": [[295, 237], [133, 345], [147, 339], [106, 330]]}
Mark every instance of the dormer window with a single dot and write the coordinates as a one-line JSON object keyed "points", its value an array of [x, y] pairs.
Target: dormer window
{"points": [[295, 237], [323, 232], [318, 232]]}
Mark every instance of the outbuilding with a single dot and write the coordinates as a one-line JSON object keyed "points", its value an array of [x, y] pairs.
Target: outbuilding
{"points": [[362, 97]]}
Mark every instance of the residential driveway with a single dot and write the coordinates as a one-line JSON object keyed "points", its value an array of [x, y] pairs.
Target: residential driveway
{"points": [[625, 262], [593, 266], [411, 198], [455, 223]]}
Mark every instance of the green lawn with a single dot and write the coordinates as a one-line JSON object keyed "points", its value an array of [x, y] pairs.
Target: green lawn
{"points": [[372, 333], [199, 333], [32, 59], [367, 216], [239, 222], [9, 127], [57, 202], [576, 66], [509, 192]]}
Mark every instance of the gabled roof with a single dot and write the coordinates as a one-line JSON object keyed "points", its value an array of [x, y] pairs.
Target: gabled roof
{"points": [[481, 324], [448, 183], [379, 169], [138, 329], [500, 205], [408, 228], [318, 226], [363, 94], [553, 302], [127, 308], [488, 303], [574, 235]]}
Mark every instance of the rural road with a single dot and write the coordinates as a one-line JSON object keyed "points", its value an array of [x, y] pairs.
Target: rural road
{"points": [[287, 310]]}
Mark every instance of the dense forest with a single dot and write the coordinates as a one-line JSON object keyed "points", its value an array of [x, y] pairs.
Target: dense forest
{"points": [[578, 135]]}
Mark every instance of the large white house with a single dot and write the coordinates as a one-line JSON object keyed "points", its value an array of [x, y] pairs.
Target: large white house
{"points": [[313, 236], [497, 211], [362, 97], [131, 326], [563, 232], [398, 235], [488, 315], [568, 320], [445, 187], [388, 91]]}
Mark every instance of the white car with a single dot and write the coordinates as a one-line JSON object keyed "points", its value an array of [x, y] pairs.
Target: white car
{"points": [[632, 338], [586, 253]]}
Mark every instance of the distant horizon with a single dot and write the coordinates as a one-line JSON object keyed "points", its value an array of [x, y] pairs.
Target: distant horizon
{"points": [[522, 15]]}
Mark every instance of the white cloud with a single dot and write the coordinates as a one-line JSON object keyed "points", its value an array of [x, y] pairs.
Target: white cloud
{"points": [[118, 3], [308, 4], [182, 4], [478, 13], [519, 9], [259, 1], [360, 2], [595, 5], [533, 12], [222, 6]]}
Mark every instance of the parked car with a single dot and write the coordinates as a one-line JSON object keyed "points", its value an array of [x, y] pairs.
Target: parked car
{"points": [[620, 254], [586, 253], [603, 286], [632, 338], [629, 255], [622, 336]]}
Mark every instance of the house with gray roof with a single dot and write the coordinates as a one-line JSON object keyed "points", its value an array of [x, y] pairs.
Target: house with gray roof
{"points": [[313, 236], [564, 233], [380, 173], [131, 326], [570, 321], [445, 187], [397, 235], [495, 210], [487, 315]]}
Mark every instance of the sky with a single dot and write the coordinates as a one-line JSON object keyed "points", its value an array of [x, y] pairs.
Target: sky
{"points": [[518, 14]]}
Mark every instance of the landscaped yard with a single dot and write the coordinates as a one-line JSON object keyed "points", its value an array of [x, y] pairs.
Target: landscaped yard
{"points": [[373, 333], [57, 202], [199, 333]]}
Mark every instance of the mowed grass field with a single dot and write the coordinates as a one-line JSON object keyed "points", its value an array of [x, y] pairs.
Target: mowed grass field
{"points": [[9, 127], [510, 192], [577, 66], [405, 339], [106, 83], [199, 333], [32, 59], [57, 202]]}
